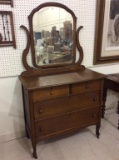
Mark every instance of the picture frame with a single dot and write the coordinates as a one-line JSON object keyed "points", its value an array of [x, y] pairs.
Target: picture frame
{"points": [[7, 2], [106, 45], [7, 34]]}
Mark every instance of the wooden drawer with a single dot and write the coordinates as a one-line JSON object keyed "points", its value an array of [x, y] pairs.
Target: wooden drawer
{"points": [[54, 107], [71, 120], [86, 87], [50, 93]]}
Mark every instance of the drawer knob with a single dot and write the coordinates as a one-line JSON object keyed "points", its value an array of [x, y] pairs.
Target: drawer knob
{"points": [[69, 114], [86, 86], [94, 99], [51, 92], [95, 115], [40, 110], [41, 129]]}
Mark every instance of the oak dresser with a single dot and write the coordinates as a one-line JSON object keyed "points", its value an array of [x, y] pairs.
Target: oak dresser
{"points": [[60, 96], [60, 104]]}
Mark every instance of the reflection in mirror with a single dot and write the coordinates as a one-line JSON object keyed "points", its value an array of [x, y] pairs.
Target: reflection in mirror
{"points": [[53, 36]]}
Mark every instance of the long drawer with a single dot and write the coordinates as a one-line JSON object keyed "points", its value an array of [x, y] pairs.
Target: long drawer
{"points": [[70, 120], [54, 107]]}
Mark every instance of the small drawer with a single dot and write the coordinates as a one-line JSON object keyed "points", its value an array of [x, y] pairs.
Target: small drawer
{"points": [[68, 121], [50, 93], [86, 87], [45, 109]]}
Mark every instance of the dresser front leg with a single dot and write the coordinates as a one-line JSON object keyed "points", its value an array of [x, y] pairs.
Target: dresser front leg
{"points": [[118, 108], [27, 134], [97, 130], [118, 124], [34, 151], [104, 101]]}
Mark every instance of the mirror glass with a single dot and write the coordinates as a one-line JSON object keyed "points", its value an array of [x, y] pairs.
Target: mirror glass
{"points": [[53, 36]]}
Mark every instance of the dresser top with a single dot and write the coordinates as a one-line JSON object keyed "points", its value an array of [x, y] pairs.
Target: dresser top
{"points": [[36, 81]]}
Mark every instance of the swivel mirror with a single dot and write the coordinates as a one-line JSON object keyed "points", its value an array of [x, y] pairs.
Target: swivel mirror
{"points": [[53, 39], [52, 28], [53, 36]]}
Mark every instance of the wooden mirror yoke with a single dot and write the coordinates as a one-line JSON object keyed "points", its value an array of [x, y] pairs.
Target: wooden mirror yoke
{"points": [[55, 68]]}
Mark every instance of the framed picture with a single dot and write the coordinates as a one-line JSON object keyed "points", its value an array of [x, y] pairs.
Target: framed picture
{"points": [[106, 47], [7, 2], [7, 34]]}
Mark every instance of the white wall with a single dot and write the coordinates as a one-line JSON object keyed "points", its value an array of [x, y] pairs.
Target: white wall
{"points": [[11, 108]]}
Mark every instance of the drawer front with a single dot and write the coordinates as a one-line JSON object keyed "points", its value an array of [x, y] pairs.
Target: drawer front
{"points": [[86, 87], [54, 107], [68, 121], [50, 93]]}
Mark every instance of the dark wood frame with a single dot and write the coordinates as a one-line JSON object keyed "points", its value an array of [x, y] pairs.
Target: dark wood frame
{"points": [[13, 42], [31, 32], [9, 2], [98, 36]]}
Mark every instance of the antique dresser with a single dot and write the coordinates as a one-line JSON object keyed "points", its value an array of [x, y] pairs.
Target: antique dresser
{"points": [[60, 96]]}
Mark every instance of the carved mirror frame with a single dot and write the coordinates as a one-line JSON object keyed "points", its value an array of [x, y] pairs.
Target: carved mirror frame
{"points": [[55, 68], [51, 4]]}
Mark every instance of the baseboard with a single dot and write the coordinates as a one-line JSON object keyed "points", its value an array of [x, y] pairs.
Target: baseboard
{"points": [[12, 136]]}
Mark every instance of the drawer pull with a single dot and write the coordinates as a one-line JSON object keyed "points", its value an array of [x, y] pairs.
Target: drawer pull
{"points": [[94, 99], [40, 110], [69, 114], [41, 129], [95, 115], [86, 86], [51, 92]]}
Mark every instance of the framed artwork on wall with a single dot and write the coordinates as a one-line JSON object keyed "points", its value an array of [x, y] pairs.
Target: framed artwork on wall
{"points": [[7, 34], [106, 47], [9, 2]]}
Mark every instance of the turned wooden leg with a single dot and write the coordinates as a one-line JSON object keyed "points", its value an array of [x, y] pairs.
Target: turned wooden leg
{"points": [[34, 151], [104, 101], [118, 112], [27, 134], [118, 124], [97, 130], [118, 108]]}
